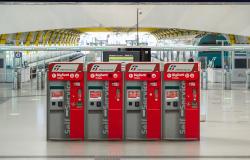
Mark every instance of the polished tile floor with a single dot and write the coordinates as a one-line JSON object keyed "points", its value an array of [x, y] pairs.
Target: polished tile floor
{"points": [[225, 134]]}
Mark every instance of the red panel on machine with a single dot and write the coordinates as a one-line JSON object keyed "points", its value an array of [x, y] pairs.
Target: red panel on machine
{"points": [[77, 123], [76, 109], [154, 122], [115, 110], [115, 124]]}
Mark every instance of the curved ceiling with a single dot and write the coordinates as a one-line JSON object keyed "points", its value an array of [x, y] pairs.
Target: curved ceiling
{"points": [[230, 19]]}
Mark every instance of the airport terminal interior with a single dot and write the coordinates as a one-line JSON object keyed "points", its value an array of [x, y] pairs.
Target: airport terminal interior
{"points": [[111, 81]]}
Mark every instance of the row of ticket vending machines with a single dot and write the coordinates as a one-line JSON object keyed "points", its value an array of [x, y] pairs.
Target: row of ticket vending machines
{"points": [[136, 102]]}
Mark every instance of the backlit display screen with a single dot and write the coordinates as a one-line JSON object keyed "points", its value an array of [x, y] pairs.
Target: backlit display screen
{"points": [[172, 94], [95, 95], [121, 58], [57, 95], [134, 94]]}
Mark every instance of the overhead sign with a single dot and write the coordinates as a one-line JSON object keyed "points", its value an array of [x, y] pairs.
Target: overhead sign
{"points": [[18, 54]]}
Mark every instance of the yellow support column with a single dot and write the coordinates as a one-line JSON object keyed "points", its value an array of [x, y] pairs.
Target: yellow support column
{"points": [[68, 39], [18, 36], [74, 40], [51, 37], [61, 38], [77, 39], [248, 40], [232, 39], [38, 36], [71, 39], [56, 38], [3, 39], [65, 39], [45, 37], [28, 39]]}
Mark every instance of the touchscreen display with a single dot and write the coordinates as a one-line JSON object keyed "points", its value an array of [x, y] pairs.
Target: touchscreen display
{"points": [[57, 95], [172, 94], [134, 94], [95, 95]]}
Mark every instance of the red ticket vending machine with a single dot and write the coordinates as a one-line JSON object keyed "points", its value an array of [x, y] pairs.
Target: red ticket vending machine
{"points": [[65, 101], [104, 101], [181, 101], [143, 101]]}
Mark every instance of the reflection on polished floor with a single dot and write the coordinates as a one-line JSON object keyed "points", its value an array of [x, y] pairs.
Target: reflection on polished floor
{"points": [[225, 134]]}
